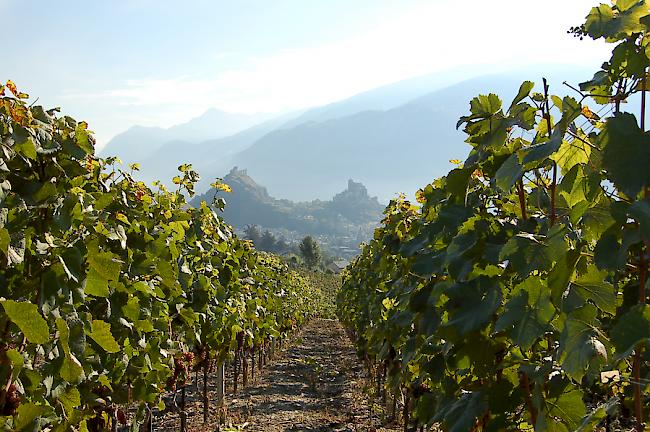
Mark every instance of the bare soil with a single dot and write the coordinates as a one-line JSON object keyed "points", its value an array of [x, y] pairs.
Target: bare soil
{"points": [[316, 384]]}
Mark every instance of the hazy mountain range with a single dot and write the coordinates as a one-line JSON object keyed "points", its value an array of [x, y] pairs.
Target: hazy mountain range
{"points": [[393, 139]]}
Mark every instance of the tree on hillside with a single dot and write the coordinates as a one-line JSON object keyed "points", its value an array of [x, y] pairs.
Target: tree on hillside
{"points": [[267, 242], [253, 232], [310, 251]]}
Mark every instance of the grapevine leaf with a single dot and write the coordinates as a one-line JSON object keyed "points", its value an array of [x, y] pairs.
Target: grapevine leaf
{"points": [[526, 253], [5, 240], [472, 304], [131, 309], [509, 173], [71, 369], [527, 313], [28, 319], [461, 415], [539, 152], [640, 211], [95, 284], [559, 277], [17, 361], [568, 407], [631, 329], [524, 90], [626, 154], [522, 323], [604, 21], [70, 399], [592, 286], [27, 413], [579, 342], [101, 333], [104, 264], [570, 154], [83, 139], [481, 107], [595, 416]]}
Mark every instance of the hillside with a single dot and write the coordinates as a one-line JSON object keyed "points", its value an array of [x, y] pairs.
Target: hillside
{"points": [[345, 220]]}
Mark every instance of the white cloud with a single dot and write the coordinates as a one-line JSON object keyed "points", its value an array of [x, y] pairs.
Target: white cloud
{"points": [[425, 39]]}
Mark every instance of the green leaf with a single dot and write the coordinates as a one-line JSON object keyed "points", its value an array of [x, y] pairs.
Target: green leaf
{"points": [[101, 333], [83, 138], [604, 21], [570, 154], [472, 304], [481, 107], [17, 361], [539, 152], [527, 313], [590, 421], [561, 275], [95, 284], [104, 264], [640, 211], [70, 399], [71, 369], [27, 413], [522, 324], [461, 415], [579, 342], [524, 91], [592, 286], [509, 173], [26, 148], [131, 309], [626, 154], [568, 407], [631, 329], [5, 241], [28, 319]]}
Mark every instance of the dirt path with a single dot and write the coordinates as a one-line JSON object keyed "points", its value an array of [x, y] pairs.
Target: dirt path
{"points": [[317, 384]]}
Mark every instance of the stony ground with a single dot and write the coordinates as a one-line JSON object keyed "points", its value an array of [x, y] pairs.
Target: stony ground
{"points": [[316, 384]]}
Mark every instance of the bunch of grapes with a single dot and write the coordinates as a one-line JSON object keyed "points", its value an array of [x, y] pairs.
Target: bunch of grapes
{"points": [[181, 367], [12, 402]]}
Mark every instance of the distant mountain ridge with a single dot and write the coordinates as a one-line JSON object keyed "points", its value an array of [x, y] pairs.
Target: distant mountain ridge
{"points": [[138, 143], [393, 139], [390, 151]]}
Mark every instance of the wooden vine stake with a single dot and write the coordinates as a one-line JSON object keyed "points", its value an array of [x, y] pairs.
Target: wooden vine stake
{"points": [[221, 384], [183, 413], [206, 399]]}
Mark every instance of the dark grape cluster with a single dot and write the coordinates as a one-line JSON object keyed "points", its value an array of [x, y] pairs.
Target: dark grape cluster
{"points": [[12, 402], [181, 367]]}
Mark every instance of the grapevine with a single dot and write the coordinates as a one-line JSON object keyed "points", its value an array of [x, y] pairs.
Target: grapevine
{"points": [[514, 296], [111, 291]]}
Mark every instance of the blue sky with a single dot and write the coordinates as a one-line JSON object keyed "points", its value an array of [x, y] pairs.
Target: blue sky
{"points": [[158, 63]]}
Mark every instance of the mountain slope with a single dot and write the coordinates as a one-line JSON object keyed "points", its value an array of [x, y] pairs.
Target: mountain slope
{"points": [[385, 97], [139, 143], [397, 150], [348, 213], [212, 157]]}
